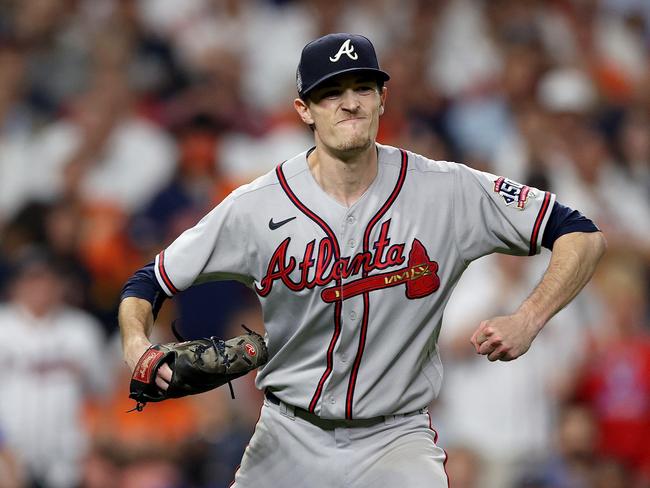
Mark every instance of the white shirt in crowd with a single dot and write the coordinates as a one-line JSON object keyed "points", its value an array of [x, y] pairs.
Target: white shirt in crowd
{"points": [[47, 368]]}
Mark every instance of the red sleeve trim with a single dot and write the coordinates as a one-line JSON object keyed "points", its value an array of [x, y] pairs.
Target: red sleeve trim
{"points": [[538, 224], [163, 274]]}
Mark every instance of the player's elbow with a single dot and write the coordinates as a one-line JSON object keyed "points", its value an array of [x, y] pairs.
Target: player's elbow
{"points": [[596, 248], [600, 244], [586, 247]]}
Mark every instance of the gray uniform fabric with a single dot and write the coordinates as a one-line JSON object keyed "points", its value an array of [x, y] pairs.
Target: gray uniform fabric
{"points": [[289, 451], [353, 297], [452, 210]]}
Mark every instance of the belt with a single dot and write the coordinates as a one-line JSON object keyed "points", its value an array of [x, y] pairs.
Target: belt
{"points": [[291, 411]]}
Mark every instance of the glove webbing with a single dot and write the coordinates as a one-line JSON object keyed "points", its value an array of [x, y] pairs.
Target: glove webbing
{"points": [[219, 346]]}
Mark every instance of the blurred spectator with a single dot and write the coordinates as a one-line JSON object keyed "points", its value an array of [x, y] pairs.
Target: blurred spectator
{"points": [[567, 91], [53, 33], [62, 234], [153, 68], [503, 411], [616, 378], [63, 228], [633, 145], [523, 151], [197, 186], [620, 45], [210, 458], [155, 471], [101, 467], [464, 58], [464, 467], [573, 461], [25, 230], [216, 93], [243, 156], [590, 180], [11, 475], [104, 152], [16, 131], [107, 466], [52, 362], [610, 473], [204, 26]]}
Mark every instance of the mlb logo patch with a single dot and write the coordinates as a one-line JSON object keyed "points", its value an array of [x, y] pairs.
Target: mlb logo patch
{"points": [[512, 192]]}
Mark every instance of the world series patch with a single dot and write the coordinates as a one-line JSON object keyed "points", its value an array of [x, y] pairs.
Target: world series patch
{"points": [[512, 192]]}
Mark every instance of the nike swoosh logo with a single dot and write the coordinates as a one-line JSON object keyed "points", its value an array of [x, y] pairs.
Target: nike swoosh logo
{"points": [[275, 225]]}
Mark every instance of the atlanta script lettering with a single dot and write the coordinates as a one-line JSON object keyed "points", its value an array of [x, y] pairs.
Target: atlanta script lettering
{"points": [[320, 266]]}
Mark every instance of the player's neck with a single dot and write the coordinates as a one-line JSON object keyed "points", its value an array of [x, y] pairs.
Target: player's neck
{"points": [[344, 180]]}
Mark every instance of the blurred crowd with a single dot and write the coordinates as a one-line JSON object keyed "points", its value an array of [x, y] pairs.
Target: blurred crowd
{"points": [[123, 121]]}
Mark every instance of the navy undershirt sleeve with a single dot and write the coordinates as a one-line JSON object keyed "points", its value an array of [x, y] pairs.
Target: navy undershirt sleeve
{"points": [[564, 220], [143, 284]]}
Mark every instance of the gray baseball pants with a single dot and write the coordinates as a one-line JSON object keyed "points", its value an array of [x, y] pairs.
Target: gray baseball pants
{"points": [[291, 450]]}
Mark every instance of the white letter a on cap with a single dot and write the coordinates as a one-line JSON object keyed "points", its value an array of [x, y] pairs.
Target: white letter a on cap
{"points": [[347, 49]]}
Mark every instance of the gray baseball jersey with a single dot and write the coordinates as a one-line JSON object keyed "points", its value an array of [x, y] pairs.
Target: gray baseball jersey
{"points": [[353, 297]]}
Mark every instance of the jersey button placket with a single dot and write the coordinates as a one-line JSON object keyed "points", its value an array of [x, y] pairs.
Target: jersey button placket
{"points": [[351, 242]]}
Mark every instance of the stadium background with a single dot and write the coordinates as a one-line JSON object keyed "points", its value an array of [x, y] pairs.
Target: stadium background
{"points": [[123, 121]]}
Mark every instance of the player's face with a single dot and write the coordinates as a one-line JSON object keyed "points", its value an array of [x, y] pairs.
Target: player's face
{"points": [[345, 113]]}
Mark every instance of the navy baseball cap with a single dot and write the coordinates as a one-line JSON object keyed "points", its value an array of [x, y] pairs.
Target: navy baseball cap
{"points": [[332, 55]]}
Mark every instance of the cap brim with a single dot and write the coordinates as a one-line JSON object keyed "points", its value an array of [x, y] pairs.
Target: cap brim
{"points": [[382, 74]]}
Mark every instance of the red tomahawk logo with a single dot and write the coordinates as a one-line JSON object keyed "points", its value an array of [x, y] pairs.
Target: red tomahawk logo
{"points": [[420, 277]]}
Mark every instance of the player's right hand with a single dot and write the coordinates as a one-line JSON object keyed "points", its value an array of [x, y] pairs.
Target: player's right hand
{"points": [[134, 352]]}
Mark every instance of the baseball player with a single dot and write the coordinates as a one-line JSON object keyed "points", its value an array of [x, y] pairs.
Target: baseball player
{"points": [[353, 249]]}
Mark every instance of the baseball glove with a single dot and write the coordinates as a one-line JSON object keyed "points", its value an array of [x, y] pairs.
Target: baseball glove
{"points": [[199, 365]]}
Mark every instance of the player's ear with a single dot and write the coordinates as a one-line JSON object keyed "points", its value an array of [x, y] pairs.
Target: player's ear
{"points": [[382, 99], [303, 111]]}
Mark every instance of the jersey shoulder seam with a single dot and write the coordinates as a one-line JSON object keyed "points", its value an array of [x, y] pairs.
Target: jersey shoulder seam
{"points": [[453, 212], [241, 191], [418, 163], [296, 174]]}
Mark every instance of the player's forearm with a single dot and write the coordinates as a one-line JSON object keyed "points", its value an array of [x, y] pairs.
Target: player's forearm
{"points": [[573, 262], [135, 317]]}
